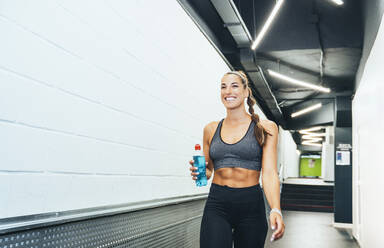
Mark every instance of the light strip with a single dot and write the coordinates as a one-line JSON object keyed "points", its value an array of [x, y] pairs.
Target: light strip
{"points": [[298, 82], [309, 138], [305, 131], [267, 24], [312, 135], [338, 2], [308, 143], [306, 110], [312, 139]]}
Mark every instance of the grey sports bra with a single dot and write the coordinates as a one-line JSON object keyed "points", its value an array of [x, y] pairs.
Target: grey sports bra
{"points": [[246, 153]]}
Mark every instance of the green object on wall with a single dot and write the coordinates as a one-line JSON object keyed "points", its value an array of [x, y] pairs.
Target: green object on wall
{"points": [[310, 166]]}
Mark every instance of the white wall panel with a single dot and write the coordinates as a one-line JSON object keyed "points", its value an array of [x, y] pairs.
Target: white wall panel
{"points": [[35, 149], [328, 156], [75, 115], [99, 99], [83, 191], [287, 155], [368, 136]]}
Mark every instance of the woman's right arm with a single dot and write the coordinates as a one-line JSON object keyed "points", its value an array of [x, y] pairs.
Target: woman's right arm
{"points": [[206, 143]]}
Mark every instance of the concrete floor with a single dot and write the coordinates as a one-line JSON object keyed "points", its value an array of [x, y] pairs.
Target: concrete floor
{"points": [[311, 230]]}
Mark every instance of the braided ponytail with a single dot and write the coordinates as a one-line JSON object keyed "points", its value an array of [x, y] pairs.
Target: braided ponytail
{"points": [[259, 130]]}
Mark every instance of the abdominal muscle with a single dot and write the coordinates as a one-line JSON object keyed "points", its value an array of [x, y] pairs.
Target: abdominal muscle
{"points": [[236, 177]]}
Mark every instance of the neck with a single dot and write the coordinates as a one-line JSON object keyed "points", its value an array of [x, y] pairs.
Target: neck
{"points": [[237, 115]]}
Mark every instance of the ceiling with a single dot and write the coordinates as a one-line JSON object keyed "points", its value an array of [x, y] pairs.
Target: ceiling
{"points": [[315, 41]]}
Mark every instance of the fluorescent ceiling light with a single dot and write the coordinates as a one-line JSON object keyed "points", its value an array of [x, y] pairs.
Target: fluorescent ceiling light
{"points": [[309, 143], [298, 82], [306, 110], [304, 131], [312, 135], [309, 138], [267, 24], [312, 139], [338, 2]]}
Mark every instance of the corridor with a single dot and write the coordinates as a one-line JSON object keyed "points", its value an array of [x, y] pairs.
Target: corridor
{"points": [[312, 230], [104, 103]]}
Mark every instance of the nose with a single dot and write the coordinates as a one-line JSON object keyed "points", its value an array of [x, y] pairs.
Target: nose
{"points": [[227, 90]]}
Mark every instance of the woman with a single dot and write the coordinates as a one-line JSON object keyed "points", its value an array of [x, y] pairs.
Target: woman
{"points": [[237, 148]]}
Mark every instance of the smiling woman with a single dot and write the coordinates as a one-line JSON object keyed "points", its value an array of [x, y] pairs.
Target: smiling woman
{"points": [[236, 149], [232, 93]]}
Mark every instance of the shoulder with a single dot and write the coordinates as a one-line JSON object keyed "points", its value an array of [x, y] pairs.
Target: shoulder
{"points": [[211, 127], [269, 126]]}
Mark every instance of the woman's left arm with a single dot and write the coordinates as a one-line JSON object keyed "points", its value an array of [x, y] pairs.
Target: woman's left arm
{"points": [[270, 178]]}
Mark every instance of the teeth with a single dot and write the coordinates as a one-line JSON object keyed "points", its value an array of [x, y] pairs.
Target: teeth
{"points": [[230, 98]]}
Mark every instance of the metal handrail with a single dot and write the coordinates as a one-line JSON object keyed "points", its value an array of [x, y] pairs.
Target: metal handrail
{"points": [[19, 223]]}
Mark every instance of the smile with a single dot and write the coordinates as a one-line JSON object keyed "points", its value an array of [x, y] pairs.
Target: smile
{"points": [[230, 98]]}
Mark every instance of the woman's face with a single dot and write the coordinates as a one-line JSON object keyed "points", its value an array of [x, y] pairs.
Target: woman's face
{"points": [[232, 91]]}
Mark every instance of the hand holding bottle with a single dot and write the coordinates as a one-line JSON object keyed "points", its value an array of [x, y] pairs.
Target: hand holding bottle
{"points": [[198, 169], [193, 169]]}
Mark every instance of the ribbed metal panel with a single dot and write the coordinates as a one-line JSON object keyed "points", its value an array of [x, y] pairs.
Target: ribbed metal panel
{"points": [[168, 226]]}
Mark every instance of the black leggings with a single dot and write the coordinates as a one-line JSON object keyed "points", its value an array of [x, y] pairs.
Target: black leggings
{"points": [[239, 208]]}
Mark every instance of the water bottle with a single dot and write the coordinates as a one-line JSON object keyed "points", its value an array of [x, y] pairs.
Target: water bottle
{"points": [[199, 162]]}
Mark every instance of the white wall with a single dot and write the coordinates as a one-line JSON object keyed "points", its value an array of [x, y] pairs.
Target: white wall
{"points": [[368, 136], [328, 156], [287, 155], [101, 102]]}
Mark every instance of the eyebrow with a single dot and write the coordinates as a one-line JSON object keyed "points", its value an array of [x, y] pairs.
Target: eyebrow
{"points": [[231, 83]]}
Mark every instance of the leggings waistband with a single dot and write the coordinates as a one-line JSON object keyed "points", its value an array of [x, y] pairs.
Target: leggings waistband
{"points": [[225, 187], [231, 194]]}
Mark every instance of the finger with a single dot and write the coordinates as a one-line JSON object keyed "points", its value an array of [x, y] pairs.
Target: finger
{"points": [[191, 162], [278, 236], [274, 236], [273, 223], [194, 178], [192, 168], [281, 233], [273, 227], [280, 228], [195, 173]]}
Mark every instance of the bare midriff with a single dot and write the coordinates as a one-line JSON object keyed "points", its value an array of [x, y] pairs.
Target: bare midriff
{"points": [[236, 177]]}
